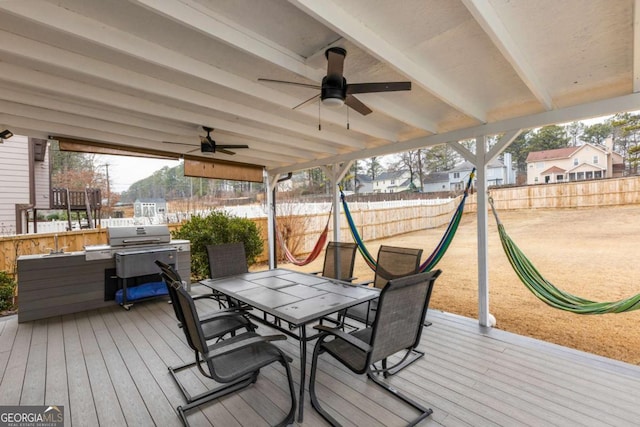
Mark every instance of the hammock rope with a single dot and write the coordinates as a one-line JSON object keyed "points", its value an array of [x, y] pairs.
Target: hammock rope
{"points": [[549, 293], [315, 252], [440, 249]]}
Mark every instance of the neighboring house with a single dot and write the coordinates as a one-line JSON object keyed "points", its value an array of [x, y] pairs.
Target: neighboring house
{"points": [[24, 183], [364, 184], [498, 173], [436, 182], [394, 182], [149, 208], [588, 161]]}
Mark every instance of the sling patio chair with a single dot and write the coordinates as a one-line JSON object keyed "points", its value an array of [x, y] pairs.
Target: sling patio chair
{"points": [[339, 260], [397, 326], [215, 325], [234, 363], [393, 262], [226, 259]]}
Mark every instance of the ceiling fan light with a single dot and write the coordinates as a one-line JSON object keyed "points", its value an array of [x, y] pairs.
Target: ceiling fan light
{"points": [[333, 102]]}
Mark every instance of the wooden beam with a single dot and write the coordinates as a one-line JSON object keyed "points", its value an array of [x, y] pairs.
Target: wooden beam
{"points": [[83, 146], [220, 169]]}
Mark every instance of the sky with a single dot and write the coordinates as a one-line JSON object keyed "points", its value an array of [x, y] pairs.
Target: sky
{"points": [[124, 170]]}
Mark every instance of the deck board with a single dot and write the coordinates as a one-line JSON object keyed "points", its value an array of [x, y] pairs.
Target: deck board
{"points": [[109, 367]]}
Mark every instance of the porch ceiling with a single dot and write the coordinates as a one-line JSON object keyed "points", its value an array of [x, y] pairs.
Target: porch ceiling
{"points": [[150, 73]]}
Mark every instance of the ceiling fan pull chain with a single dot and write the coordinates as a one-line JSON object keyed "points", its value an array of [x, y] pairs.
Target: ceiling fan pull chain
{"points": [[319, 123], [348, 118]]}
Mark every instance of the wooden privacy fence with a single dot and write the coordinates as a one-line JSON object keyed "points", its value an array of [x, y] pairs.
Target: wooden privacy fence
{"points": [[578, 194]]}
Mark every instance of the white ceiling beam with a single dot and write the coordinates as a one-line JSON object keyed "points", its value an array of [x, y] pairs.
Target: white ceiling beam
{"points": [[77, 63], [54, 84], [333, 16], [486, 16], [40, 99], [636, 46], [564, 115], [94, 123], [49, 15], [36, 127], [204, 20]]}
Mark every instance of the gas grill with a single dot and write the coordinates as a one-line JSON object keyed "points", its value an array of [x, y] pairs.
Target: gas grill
{"points": [[134, 250], [136, 238]]}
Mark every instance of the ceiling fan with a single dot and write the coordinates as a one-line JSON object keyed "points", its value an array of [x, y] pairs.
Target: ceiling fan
{"points": [[334, 89], [209, 145]]}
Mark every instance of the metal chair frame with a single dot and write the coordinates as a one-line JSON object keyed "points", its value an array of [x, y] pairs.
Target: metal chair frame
{"points": [[398, 325]]}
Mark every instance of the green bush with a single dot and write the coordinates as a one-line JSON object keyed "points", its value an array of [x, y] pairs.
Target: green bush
{"points": [[7, 289], [216, 228]]}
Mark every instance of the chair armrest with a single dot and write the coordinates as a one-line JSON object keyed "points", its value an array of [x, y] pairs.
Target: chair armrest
{"points": [[339, 333], [229, 312], [223, 347], [366, 283]]}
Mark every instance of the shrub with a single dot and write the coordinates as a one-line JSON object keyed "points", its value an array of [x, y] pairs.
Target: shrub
{"points": [[7, 289], [216, 228]]}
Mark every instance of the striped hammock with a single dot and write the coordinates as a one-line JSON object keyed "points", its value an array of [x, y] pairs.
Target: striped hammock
{"points": [[546, 291], [439, 250], [317, 249]]}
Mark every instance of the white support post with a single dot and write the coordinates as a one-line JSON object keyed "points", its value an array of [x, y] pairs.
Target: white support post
{"points": [[336, 173], [483, 260], [271, 183]]}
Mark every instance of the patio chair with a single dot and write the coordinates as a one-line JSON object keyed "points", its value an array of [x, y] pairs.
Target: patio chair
{"points": [[342, 254], [397, 326], [215, 325], [233, 363], [393, 262], [226, 259]]}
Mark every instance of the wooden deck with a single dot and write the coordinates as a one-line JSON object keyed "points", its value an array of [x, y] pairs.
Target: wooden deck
{"points": [[108, 367]]}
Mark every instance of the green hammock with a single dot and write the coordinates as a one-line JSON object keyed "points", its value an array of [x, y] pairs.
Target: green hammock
{"points": [[547, 292], [440, 248]]}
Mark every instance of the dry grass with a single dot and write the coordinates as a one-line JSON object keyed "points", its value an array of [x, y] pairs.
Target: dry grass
{"points": [[589, 252]]}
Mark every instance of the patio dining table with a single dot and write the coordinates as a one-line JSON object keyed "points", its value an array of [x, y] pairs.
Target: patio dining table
{"points": [[294, 300]]}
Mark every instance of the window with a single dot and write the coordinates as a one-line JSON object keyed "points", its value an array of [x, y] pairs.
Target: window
{"points": [[589, 175], [595, 160], [456, 175], [575, 161], [572, 176], [597, 174], [559, 178], [580, 176]]}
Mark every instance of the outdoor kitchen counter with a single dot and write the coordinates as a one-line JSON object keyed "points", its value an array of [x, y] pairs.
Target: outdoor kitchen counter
{"points": [[53, 285], [58, 284]]}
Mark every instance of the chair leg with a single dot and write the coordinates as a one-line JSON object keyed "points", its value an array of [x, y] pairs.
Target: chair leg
{"points": [[290, 418], [406, 361], [212, 395], [312, 387], [424, 412]]}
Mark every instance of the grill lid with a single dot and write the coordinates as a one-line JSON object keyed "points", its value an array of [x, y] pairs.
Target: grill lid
{"points": [[139, 235]]}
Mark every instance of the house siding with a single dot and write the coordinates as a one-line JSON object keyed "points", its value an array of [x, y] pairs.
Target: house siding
{"points": [[14, 180], [588, 160]]}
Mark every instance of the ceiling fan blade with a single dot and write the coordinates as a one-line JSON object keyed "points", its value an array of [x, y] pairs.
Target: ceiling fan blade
{"points": [[377, 87], [290, 83], [357, 105], [178, 143], [335, 61], [223, 146], [224, 151], [304, 102]]}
